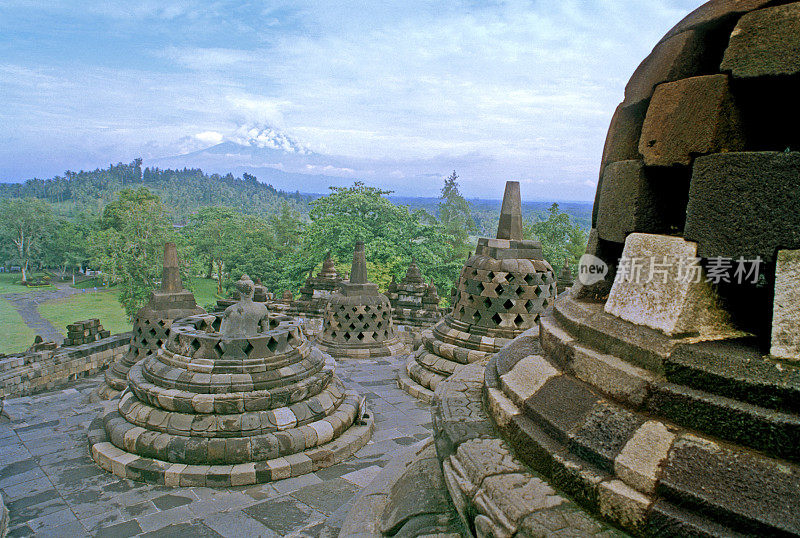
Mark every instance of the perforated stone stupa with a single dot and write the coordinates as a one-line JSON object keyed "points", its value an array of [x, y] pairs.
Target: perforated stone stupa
{"points": [[501, 292], [234, 398], [358, 318], [415, 304], [152, 323]]}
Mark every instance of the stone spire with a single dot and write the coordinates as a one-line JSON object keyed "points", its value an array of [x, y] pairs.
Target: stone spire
{"points": [[328, 269], [510, 226], [171, 277], [413, 275], [358, 272]]}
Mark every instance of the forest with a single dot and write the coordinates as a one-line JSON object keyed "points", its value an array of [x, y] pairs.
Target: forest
{"points": [[116, 220]]}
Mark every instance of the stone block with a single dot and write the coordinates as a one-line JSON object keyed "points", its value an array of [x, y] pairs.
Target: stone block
{"points": [[677, 57], [627, 202], [642, 456], [786, 309], [738, 204], [653, 290], [764, 43], [689, 117], [715, 12]]}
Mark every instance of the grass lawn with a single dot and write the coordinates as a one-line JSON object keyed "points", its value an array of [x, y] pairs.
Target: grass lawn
{"points": [[9, 283], [103, 305], [205, 290], [16, 335]]}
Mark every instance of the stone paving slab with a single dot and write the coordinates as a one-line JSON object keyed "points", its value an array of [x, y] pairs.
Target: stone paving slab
{"points": [[53, 488]]}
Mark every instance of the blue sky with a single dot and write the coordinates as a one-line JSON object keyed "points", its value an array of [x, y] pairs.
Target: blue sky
{"points": [[497, 90]]}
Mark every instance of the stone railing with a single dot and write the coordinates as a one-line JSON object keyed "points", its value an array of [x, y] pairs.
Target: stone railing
{"points": [[35, 371]]}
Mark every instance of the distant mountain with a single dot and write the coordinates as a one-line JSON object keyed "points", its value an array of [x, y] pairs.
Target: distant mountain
{"points": [[183, 191]]}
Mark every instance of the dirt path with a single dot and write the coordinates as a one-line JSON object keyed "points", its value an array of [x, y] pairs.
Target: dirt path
{"points": [[27, 304]]}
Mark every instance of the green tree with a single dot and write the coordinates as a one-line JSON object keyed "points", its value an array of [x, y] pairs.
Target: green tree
{"points": [[455, 215], [25, 223], [66, 247], [213, 232], [129, 245], [560, 237]]}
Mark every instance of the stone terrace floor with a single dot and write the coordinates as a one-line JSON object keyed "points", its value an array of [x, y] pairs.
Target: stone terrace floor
{"points": [[53, 488]]}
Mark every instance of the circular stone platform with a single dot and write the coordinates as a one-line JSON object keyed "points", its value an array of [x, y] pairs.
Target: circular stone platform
{"points": [[208, 411]]}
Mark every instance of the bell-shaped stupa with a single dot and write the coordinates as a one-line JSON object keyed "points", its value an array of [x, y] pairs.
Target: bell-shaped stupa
{"points": [[152, 323], [234, 398], [358, 318], [501, 292]]}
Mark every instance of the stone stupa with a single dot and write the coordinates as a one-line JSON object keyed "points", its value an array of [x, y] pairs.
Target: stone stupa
{"points": [[152, 323], [565, 279], [358, 318], [236, 397], [317, 290], [415, 303], [501, 292]]}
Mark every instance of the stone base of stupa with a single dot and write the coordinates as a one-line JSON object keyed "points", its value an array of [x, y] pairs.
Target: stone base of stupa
{"points": [[473, 484], [445, 347], [320, 452], [387, 348]]}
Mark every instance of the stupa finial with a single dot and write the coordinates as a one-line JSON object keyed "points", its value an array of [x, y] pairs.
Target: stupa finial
{"points": [[358, 272], [510, 226], [171, 276]]}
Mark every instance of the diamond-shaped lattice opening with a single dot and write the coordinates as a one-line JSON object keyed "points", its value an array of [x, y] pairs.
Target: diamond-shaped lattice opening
{"points": [[461, 311], [360, 317], [508, 304], [272, 344], [476, 316], [219, 347], [480, 287], [510, 278], [530, 305], [500, 289], [487, 302], [352, 327], [385, 315], [529, 280], [152, 332], [385, 334], [374, 315], [273, 323], [490, 275], [347, 336], [360, 336], [518, 320], [378, 325], [195, 345], [497, 318], [538, 291]]}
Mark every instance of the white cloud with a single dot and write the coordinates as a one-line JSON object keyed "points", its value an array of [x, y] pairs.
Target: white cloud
{"points": [[209, 137]]}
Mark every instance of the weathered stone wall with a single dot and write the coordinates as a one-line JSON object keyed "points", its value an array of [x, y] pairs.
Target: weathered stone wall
{"points": [[32, 372]]}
